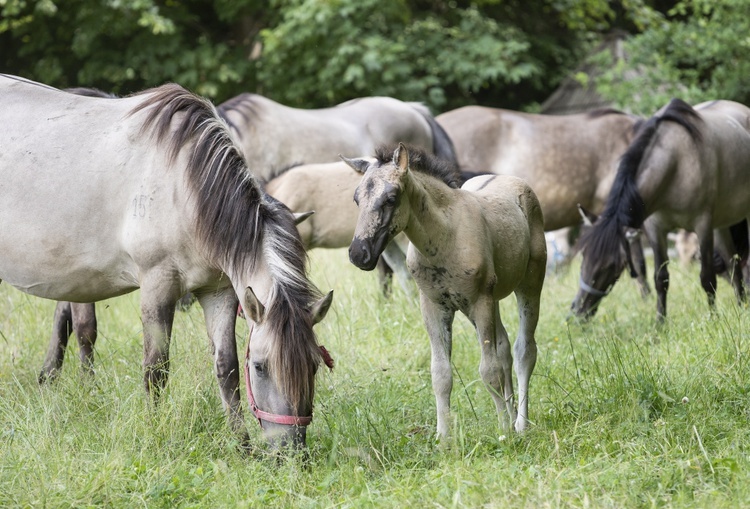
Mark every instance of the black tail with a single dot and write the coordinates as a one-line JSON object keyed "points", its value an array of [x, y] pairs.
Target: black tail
{"points": [[442, 145]]}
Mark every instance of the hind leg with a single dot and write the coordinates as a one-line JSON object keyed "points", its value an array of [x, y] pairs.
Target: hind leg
{"points": [[495, 366], [84, 325], [728, 252], [528, 297], [61, 330]]}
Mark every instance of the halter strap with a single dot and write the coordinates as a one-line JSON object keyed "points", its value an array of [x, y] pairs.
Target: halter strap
{"points": [[591, 290], [288, 420]]}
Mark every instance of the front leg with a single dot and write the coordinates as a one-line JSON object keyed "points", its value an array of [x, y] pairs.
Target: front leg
{"points": [[657, 237], [61, 329], [728, 251], [439, 323], [158, 298], [220, 313]]}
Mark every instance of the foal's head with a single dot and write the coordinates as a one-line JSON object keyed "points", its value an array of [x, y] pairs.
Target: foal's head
{"points": [[382, 213]]}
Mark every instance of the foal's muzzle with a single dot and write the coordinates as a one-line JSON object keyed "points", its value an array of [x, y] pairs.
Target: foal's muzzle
{"points": [[362, 255]]}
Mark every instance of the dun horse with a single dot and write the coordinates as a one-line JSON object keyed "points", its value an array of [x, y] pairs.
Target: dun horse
{"points": [[470, 248], [567, 160], [274, 137], [163, 202], [688, 168]]}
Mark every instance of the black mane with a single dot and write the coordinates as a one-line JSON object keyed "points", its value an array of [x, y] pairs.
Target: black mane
{"points": [[238, 225], [245, 104], [423, 162], [625, 206]]}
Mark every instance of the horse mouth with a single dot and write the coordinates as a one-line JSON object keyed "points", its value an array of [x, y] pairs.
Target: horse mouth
{"points": [[364, 254]]}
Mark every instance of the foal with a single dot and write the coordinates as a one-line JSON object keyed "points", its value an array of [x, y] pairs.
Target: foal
{"points": [[470, 248]]}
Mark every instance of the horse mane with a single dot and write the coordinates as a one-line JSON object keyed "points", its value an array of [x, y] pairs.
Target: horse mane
{"points": [[625, 206], [246, 104], [238, 224], [90, 92], [423, 162]]}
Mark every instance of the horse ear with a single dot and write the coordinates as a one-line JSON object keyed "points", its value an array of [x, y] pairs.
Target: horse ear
{"points": [[358, 165], [253, 307], [321, 307], [401, 157], [301, 216], [589, 218]]}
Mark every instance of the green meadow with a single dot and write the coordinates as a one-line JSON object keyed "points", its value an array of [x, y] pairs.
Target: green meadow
{"points": [[624, 413]]}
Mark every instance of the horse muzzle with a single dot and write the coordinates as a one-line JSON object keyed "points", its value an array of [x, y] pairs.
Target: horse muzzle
{"points": [[362, 255]]}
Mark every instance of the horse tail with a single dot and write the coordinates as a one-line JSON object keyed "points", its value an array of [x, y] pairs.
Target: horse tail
{"points": [[442, 145]]}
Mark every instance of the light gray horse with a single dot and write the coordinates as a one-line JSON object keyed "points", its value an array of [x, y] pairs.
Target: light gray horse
{"points": [[688, 168], [470, 248], [153, 194], [274, 137]]}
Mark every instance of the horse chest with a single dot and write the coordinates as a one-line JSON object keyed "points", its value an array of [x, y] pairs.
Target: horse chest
{"points": [[453, 289]]}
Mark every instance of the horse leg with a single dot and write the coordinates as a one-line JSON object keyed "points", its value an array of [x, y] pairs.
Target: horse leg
{"points": [[438, 321], [84, 325], [639, 263], [728, 251], [220, 313], [61, 330], [385, 276], [528, 298], [708, 274], [658, 240], [396, 260], [158, 298], [496, 364]]}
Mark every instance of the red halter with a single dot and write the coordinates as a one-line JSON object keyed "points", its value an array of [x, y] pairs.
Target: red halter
{"points": [[289, 420]]}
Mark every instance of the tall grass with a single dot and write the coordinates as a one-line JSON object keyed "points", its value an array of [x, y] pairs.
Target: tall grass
{"points": [[625, 413]]}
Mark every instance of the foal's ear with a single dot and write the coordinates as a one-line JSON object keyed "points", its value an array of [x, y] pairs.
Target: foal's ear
{"points": [[301, 216], [358, 165], [401, 157], [589, 218], [253, 307], [321, 307]]}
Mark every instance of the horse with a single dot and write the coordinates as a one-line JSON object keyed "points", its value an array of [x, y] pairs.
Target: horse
{"points": [[327, 189], [153, 194], [274, 137], [687, 168], [567, 159], [470, 247]]}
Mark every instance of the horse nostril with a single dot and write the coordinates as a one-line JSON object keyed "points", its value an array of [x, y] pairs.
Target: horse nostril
{"points": [[359, 254]]}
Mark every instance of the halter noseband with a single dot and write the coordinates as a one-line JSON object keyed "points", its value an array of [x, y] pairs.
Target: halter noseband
{"points": [[289, 420], [591, 290]]}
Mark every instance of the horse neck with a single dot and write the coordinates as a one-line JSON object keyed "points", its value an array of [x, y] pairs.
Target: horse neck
{"points": [[430, 203]]}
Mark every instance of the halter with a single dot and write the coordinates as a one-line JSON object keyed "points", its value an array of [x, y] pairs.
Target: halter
{"points": [[289, 420], [591, 290]]}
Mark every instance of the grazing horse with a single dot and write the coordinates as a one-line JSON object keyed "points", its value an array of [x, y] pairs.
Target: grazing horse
{"points": [[274, 137], [567, 159], [687, 168], [153, 194], [470, 247]]}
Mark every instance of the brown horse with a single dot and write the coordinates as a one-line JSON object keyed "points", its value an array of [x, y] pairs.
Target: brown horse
{"points": [[470, 248], [688, 168]]}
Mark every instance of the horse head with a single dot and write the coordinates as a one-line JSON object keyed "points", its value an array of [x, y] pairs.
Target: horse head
{"points": [[280, 383], [379, 198], [605, 256]]}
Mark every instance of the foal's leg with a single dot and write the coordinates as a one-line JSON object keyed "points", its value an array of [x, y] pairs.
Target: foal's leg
{"points": [[496, 364], [61, 329], [396, 260], [220, 312], [158, 297], [84, 325], [439, 323], [528, 297]]}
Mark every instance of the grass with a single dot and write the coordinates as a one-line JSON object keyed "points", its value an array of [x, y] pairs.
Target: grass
{"points": [[625, 413]]}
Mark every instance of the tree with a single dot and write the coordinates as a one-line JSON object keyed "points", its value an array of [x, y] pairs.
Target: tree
{"points": [[696, 51]]}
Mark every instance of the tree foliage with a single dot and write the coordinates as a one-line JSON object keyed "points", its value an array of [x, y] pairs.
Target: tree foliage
{"points": [[697, 51]]}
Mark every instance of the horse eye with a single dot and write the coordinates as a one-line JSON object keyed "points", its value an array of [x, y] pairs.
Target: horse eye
{"points": [[260, 368], [391, 200]]}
